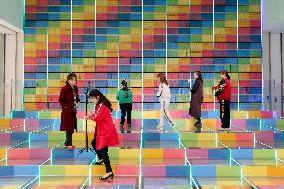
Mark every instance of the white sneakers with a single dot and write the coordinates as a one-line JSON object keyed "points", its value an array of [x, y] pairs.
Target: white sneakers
{"points": [[161, 128], [225, 129]]}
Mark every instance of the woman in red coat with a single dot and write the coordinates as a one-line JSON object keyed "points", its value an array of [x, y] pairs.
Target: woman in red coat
{"points": [[223, 94], [105, 132], [69, 101]]}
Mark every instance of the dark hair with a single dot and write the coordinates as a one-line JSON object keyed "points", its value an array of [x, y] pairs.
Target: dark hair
{"points": [[198, 73], [70, 76], [96, 93], [224, 72], [125, 88], [163, 78]]}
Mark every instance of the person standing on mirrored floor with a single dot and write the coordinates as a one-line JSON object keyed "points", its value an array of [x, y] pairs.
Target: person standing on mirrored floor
{"points": [[105, 132], [164, 95], [223, 94], [124, 97], [196, 98], [69, 101]]}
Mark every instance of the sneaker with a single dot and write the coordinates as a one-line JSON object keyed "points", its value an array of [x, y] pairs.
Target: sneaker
{"points": [[225, 129], [71, 147], [228, 129], [160, 129], [65, 146], [222, 129]]}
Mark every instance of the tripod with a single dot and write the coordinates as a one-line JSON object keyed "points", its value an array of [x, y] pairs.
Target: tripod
{"points": [[86, 124]]}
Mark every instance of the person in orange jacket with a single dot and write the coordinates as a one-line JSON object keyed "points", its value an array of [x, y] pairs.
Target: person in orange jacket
{"points": [[105, 131]]}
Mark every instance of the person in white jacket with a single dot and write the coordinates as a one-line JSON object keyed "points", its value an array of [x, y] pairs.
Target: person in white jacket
{"points": [[164, 95]]}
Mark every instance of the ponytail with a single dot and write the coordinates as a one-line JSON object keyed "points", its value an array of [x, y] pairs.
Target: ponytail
{"points": [[163, 78], [124, 87]]}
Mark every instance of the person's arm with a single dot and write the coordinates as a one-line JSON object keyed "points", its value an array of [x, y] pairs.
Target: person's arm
{"points": [[160, 90], [100, 113], [117, 96], [130, 94], [195, 87], [221, 87], [62, 98], [77, 95]]}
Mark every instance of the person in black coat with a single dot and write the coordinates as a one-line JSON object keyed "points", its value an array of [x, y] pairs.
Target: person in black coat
{"points": [[196, 97]]}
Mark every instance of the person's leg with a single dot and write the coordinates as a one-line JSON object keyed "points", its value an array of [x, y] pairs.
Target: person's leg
{"points": [[68, 141], [123, 113], [226, 121], [222, 113], [161, 124], [198, 120], [122, 118], [128, 110], [97, 151], [105, 157], [71, 140], [167, 113]]}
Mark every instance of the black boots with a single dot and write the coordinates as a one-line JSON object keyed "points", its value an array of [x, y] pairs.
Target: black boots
{"points": [[121, 128], [129, 128], [198, 121]]}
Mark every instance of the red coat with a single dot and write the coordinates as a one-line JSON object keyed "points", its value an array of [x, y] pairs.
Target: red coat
{"points": [[68, 114], [226, 91], [105, 132]]}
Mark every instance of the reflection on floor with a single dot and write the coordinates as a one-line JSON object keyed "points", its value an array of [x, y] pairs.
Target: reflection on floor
{"points": [[249, 156]]}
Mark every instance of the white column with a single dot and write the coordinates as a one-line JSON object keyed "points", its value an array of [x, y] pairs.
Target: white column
{"points": [[10, 68], [19, 77], [2, 47], [266, 70], [275, 71], [282, 74]]}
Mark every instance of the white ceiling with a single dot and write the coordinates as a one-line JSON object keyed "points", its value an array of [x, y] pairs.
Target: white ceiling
{"points": [[273, 16], [5, 30]]}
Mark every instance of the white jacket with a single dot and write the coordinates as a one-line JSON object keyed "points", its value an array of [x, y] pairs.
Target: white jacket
{"points": [[164, 92]]}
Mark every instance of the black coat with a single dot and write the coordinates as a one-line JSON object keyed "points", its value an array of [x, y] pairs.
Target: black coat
{"points": [[196, 99]]}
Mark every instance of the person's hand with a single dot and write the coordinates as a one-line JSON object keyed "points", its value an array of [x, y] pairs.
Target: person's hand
{"points": [[87, 117], [214, 87], [77, 105], [155, 90]]}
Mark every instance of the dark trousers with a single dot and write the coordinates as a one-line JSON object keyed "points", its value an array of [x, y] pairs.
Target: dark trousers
{"points": [[125, 108], [68, 141], [225, 113], [103, 154], [198, 120]]}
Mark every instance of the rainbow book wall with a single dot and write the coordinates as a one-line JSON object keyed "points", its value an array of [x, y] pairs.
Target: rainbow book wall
{"points": [[107, 41]]}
